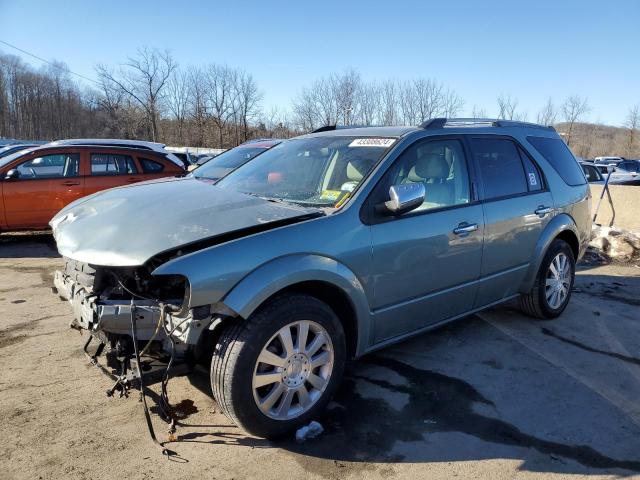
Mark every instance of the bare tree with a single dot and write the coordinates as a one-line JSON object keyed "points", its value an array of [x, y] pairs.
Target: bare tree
{"points": [[452, 104], [248, 100], [632, 125], [304, 110], [198, 105], [220, 97], [408, 103], [177, 101], [389, 103], [478, 112], [431, 99], [422, 99], [345, 88], [548, 114], [369, 104], [143, 78], [507, 107], [573, 109]]}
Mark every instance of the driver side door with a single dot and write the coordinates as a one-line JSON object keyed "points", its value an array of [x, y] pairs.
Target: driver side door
{"points": [[44, 184], [426, 262]]}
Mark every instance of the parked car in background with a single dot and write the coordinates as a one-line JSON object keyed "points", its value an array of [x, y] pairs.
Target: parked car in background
{"points": [[626, 172], [220, 165], [37, 182], [9, 149], [608, 160], [592, 173], [139, 144], [324, 248]]}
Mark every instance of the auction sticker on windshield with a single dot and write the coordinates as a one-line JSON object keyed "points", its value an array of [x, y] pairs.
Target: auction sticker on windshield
{"points": [[372, 142]]}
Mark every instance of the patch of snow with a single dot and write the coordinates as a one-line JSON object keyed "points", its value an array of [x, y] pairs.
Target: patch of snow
{"points": [[308, 432]]}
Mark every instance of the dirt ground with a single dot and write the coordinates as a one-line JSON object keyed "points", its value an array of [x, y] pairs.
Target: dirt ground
{"points": [[496, 395]]}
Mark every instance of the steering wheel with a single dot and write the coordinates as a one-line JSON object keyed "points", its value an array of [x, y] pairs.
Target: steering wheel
{"points": [[32, 172]]}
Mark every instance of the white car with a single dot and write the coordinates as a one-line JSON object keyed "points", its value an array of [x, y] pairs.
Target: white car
{"points": [[608, 160], [113, 142]]}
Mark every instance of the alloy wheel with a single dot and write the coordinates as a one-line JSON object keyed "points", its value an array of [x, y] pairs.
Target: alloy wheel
{"points": [[293, 370], [558, 281]]}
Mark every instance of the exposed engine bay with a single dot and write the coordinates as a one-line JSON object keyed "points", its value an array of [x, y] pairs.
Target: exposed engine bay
{"points": [[121, 308]]}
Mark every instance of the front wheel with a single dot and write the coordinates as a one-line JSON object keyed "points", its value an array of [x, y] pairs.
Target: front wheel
{"points": [[274, 372], [554, 282]]}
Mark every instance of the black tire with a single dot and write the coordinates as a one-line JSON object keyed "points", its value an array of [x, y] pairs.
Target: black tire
{"points": [[237, 350], [535, 303]]}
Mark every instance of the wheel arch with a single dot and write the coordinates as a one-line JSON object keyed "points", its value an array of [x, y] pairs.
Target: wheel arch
{"points": [[315, 275], [561, 226]]}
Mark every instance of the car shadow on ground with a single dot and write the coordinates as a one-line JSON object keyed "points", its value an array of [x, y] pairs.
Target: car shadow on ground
{"points": [[389, 410], [28, 245]]}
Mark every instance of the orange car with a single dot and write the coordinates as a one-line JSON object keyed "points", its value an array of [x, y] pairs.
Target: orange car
{"points": [[37, 182]]}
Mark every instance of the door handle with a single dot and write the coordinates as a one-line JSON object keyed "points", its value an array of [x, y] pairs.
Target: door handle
{"points": [[542, 210], [69, 183], [465, 228]]}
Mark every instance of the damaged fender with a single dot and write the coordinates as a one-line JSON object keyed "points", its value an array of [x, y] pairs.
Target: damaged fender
{"points": [[260, 284]]}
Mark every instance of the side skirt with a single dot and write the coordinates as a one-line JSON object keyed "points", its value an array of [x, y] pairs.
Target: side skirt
{"points": [[434, 326]]}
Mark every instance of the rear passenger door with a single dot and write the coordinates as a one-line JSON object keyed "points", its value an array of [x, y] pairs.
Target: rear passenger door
{"points": [[517, 207], [108, 170]]}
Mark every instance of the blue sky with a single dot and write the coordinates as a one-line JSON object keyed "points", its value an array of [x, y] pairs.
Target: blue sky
{"points": [[481, 49]]}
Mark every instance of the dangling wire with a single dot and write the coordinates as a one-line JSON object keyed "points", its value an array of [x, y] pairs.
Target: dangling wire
{"points": [[134, 336]]}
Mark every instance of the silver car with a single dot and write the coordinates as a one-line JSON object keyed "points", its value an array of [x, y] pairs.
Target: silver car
{"points": [[324, 248]]}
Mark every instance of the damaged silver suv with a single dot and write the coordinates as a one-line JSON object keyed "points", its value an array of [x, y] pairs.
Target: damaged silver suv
{"points": [[325, 248]]}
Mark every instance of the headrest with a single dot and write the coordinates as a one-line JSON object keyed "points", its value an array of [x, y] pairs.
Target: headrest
{"points": [[432, 165]]}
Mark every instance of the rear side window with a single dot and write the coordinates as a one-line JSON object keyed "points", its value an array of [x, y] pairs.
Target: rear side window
{"points": [[556, 152], [112, 164], [629, 166], [501, 168], [534, 178], [151, 166], [591, 173]]}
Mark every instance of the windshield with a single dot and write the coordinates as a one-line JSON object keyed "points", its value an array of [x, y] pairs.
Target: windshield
{"points": [[227, 160], [10, 158], [320, 171]]}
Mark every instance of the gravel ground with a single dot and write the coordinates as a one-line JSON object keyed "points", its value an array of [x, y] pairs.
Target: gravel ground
{"points": [[496, 395]]}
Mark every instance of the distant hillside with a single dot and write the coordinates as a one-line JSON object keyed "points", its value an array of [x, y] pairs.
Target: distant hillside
{"points": [[589, 140]]}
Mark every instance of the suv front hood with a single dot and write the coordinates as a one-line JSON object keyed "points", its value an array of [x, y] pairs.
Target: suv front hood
{"points": [[129, 225]]}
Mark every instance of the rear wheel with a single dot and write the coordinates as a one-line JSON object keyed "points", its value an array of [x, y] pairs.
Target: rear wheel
{"points": [[552, 289], [274, 372]]}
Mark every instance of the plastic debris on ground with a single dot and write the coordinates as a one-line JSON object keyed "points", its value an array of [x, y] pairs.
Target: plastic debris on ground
{"points": [[308, 432]]}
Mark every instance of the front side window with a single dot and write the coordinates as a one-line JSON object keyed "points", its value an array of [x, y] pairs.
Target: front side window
{"points": [[440, 165], [112, 164], [58, 165], [317, 171], [556, 152], [501, 167]]}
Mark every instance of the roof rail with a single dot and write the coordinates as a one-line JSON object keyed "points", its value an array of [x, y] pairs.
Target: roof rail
{"points": [[436, 123], [328, 128]]}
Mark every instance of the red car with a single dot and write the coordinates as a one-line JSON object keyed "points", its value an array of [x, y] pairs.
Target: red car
{"points": [[37, 182]]}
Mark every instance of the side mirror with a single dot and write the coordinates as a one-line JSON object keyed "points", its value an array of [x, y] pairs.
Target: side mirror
{"points": [[12, 174], [611, 168], [404, 198]]}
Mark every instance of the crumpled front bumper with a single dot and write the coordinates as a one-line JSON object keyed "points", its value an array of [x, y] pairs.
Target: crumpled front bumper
{"points": [[95, 315], [111, 316]]}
